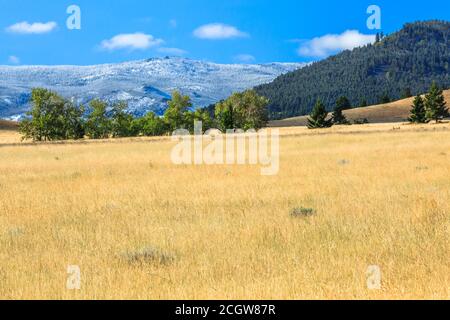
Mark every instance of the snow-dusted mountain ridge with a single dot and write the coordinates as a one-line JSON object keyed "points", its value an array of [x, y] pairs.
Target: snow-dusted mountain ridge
{"points": [[145, 84]]}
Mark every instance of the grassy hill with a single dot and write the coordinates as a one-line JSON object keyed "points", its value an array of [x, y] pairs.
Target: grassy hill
{"points": [[397, 111]]}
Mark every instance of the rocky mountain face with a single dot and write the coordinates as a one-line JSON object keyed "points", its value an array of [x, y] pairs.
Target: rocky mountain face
{"points": [[146, 84]]}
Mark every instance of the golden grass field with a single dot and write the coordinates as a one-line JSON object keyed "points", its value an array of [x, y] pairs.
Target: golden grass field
{"points": [[380, 194]]}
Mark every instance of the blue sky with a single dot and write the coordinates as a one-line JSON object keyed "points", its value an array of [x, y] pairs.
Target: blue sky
{"points": [[253, 31]]}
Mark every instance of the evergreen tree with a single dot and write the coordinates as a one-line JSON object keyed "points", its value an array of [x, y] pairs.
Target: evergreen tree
{"points": [[418, 111], [73, 121], [338, 117], [343, 103], [406, 93], [385, 98], [318, 117], [363, 103], [435, 104]]}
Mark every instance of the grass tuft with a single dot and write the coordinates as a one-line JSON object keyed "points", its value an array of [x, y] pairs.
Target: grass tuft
{"points": [[148, 255], [302, 212]]}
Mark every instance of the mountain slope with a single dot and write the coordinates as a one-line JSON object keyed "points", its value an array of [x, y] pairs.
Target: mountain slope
{"points": [[397, 111], [411, 58], [145, 85]]}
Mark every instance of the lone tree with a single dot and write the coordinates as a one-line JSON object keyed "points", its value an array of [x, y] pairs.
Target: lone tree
{"points": [[338, 117], [435, 104], [342, 104], [418, 112], [318, 117]]}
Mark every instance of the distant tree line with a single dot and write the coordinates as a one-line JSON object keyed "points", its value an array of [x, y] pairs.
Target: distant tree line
{"points": [[432, 107], [54, 118]]}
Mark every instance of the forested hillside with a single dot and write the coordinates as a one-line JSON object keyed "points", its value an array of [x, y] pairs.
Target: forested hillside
{"points": [[406, 61]]}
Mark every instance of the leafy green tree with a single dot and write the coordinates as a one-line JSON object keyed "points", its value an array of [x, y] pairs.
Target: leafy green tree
{"points": [[418, 112], [224, 115], [178, 107], [136, 127], [435, 104], [152, 125], [244, 110], [74, 121], [98, 124], [205, 117], [52, 118], [318, 117], [121, 121], [199, 115], [363, 103]]}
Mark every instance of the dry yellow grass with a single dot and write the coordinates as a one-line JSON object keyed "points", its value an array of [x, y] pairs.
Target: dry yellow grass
{"points": [[396, 111], [381, 197]]}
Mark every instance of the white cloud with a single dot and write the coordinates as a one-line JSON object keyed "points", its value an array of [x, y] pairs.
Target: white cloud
{"points": [[13, 60], [245, 58], [32, 28], [332, 43], [218, 31], [131, 41], [172, 51]]}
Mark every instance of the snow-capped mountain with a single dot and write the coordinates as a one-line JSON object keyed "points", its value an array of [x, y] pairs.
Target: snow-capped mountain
{"points": [[146, 84]]}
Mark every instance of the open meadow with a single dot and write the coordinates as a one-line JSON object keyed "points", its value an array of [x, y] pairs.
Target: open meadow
{"points": [[140, 227]]}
